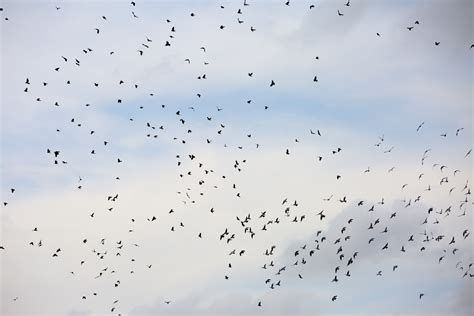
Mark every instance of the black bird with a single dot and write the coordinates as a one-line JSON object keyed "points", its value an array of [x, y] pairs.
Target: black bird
{"points": [[321, 215]]}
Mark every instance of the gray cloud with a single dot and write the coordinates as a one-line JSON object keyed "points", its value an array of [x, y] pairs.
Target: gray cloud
{"points": [[368, 87]]}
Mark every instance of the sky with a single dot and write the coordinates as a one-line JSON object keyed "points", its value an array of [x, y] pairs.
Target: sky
{"points": [[380, 144]]}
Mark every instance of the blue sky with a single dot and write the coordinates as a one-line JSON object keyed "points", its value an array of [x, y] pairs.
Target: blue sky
{"points": [[369, 87]]}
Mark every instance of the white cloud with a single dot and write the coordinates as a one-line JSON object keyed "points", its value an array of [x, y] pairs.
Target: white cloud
{"points": [[367, 87]]}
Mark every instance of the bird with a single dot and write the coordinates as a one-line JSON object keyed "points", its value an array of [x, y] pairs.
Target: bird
{"points": [[321, 215], [419, 126]]}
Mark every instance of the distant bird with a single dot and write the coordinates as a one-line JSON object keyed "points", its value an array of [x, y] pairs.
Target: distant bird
{"points": [[419, 126], [321, 215]]}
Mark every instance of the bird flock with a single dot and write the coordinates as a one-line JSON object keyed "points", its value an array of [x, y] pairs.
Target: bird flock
{"points": [[350, 235]]}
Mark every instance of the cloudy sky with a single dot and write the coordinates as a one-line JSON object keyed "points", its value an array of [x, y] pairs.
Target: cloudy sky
{"points": [[143, 188]]}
